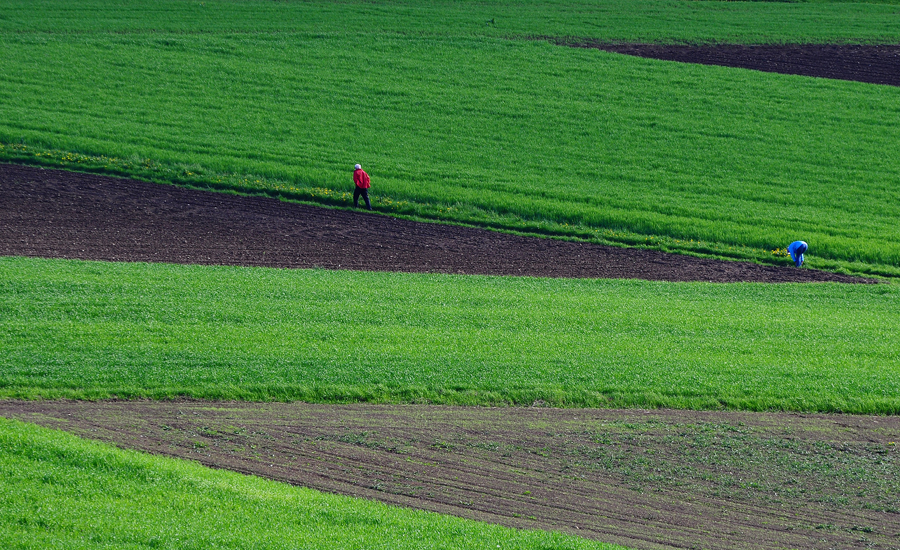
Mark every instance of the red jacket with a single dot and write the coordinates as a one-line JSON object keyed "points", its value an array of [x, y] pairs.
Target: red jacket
{"points": [[361, 179]]}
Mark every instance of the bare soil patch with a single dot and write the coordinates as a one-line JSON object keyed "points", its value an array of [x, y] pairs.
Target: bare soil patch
{"points": [[60, 214], [874, 64], [645, 479]]}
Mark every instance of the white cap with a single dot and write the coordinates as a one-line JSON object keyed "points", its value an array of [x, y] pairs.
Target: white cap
{"points": [[357, 167]]}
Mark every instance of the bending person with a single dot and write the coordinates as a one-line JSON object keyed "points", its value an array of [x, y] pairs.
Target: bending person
{"points": [[796, 249]]}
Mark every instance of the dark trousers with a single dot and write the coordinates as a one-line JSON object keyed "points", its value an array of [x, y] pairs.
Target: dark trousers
{"points": [[365, 195]]}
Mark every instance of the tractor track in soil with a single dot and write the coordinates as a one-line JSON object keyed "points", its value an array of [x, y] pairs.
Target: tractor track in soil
{"points": [[645, 479]]}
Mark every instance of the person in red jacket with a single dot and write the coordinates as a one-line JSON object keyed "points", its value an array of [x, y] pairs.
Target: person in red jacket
{"points": [[361, 179]]}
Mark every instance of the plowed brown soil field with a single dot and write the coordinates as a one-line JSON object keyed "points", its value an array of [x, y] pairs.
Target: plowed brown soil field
{"points": [[873, 64], [59, 214], [645, 479]]}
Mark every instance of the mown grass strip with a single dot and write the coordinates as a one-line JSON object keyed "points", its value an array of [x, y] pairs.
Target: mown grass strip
{"points": [[96, 330], [59, 491]]}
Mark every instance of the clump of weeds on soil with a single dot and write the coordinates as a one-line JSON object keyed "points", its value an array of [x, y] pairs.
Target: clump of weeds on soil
{"points": [[738, 463]]}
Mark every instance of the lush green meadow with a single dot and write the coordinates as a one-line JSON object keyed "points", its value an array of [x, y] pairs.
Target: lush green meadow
{"points": [[95, 330], [468, 122], [58, 491]]}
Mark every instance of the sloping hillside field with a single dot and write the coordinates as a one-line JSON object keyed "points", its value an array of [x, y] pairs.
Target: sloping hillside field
{"points": [[480, 123], [182, 274]]}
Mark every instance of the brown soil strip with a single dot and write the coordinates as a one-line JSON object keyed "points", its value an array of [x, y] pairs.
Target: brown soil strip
{"points": [[874, 64], [60, 214], [645, 479]]}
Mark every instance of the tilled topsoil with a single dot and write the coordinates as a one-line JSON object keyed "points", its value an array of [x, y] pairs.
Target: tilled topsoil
{"points": [[873, 64], [644, 479], [60, 214]]}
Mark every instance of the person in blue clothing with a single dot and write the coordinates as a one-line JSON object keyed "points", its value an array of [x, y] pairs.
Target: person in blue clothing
{"points": [[796, 250]]}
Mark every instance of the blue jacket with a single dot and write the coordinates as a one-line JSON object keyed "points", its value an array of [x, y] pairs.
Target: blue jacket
{"points": [[796, 249]]}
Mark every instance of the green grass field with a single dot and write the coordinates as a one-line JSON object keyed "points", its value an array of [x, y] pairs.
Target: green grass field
{"points": [[816, 21], [94, 330], [464, 124], [58, 491]]}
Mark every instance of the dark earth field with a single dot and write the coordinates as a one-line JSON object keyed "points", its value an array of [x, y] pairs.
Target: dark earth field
{"points": [[645, 479], [873, 64], [58, 214]]}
